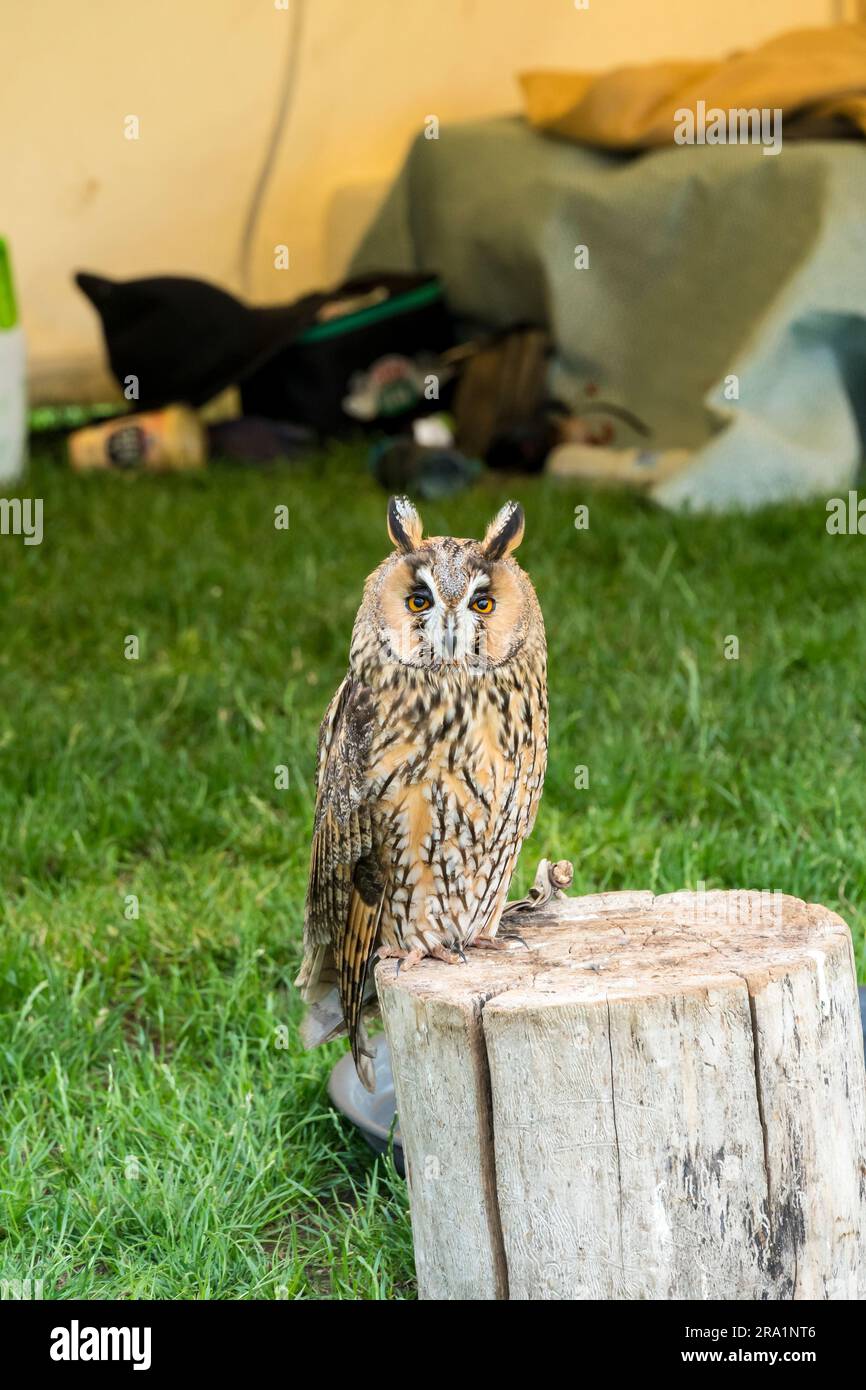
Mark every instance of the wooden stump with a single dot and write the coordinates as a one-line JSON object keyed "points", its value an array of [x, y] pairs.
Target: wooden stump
{"points": [[661, 1098]]}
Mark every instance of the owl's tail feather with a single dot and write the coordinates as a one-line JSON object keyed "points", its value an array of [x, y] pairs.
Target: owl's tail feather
{"points": [[325, 1018], [324, 1021], [317, 982], [317, 975], [364, 1055]]}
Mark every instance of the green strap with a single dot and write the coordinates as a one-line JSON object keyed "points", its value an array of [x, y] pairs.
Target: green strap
{"points": [[397, 304]]}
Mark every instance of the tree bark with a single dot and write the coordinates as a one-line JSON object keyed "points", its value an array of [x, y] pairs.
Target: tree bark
{"points": [[660, 1098]]}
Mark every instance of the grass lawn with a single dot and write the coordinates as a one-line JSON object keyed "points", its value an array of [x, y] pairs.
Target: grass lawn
{"points": [[157, 1140]]}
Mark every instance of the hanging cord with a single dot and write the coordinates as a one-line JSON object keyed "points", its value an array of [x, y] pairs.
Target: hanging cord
{"points": [[285, 101]]}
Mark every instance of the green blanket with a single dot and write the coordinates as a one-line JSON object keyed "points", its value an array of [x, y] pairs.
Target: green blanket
{"points": [[724, 299]]}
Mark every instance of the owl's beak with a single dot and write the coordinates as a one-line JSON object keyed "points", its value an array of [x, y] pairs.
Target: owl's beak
{"points": [[449, 637]]}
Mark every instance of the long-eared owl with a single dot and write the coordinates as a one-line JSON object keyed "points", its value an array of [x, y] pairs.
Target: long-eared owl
{"points": [[431, 762]]}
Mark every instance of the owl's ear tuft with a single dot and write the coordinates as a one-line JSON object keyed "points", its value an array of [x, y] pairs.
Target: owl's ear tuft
{"points": [[505, 532], [405, 526]]}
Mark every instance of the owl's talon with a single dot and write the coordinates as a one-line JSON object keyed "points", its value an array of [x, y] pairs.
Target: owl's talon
{"points": [[409, 959], [403, 958], [513, 936], [449, 957]]}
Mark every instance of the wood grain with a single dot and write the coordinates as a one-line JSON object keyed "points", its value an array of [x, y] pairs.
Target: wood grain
{"points": [[661, 1098]]}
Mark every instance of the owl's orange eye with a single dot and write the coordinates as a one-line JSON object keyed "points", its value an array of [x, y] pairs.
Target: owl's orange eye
{"points": [[483, 603], [419, 603]]}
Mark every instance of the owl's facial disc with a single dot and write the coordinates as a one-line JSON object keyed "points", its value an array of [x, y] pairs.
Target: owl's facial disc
{"points": [[440, 608], [448, 604]]}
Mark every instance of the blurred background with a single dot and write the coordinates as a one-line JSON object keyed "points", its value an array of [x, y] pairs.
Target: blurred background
{"points": [[205, 80]]}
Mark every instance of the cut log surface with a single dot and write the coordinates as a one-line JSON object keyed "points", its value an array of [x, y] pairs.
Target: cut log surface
{"points": [[661, 1098]]}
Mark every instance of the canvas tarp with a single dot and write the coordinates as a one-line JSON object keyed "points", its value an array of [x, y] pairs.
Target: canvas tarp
{"points": [[711, 270]]}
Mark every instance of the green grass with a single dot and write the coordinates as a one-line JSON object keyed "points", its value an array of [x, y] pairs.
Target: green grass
{"points": [[157, 1139]]}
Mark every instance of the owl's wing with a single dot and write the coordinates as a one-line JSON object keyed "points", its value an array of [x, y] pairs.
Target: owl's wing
{"points": [[346, 888]]}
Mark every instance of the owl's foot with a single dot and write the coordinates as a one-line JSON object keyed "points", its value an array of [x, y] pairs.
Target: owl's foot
{"points": [[498, 943], [512, 936], [404, 959], [449, 957]]}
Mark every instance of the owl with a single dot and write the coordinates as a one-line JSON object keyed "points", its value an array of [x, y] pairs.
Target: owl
{"points": [[431, 761]]}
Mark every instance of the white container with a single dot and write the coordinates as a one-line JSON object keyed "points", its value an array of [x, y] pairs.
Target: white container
{"points": [[13, 379]]}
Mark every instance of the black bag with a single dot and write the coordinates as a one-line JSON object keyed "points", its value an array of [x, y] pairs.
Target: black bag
{"points": [[184, 340], [372, 320]]}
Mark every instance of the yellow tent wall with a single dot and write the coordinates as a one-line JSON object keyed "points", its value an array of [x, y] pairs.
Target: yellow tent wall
{"points": [[202, 78]]}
